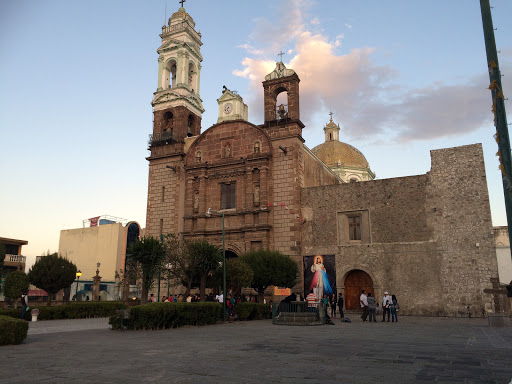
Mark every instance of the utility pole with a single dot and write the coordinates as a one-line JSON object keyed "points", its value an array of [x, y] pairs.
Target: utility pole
{"points": [[498, 108]]}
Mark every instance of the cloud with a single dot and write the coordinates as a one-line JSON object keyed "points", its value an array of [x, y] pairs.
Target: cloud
{"points": [[348, 26], [315, 21], [366, 97], [250, 49]]}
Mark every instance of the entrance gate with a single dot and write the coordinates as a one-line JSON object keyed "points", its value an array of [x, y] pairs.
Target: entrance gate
{"points": [[355, 282]]}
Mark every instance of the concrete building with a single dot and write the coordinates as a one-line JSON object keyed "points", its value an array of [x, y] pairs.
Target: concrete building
{"points": [[14, 260], [428, 238], [104, 243]]}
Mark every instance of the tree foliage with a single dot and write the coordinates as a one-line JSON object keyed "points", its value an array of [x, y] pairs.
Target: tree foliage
{"points": [[270, 268], [2, 255], [52, 273], [179, 261], [16, 283], [205, 259], [148, 254], [238, 275]]}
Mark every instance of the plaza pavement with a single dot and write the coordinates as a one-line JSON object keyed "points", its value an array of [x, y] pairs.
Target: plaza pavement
{"points": [[441, 350]]}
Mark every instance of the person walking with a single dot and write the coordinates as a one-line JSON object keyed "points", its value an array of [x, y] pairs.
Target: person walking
{"points": [[371, 308], [340, 306], [363, 300], [394, 306], [24, 304], [386, 300]]}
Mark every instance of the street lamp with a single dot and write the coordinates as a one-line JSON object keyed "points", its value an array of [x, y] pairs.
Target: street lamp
{"points": [[78, 274], [208, 214], [168, 266]]}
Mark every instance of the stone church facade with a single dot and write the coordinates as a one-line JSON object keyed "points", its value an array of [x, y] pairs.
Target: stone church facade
{"points": [[428, 239]]}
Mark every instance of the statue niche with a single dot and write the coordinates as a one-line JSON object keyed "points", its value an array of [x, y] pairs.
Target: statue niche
{"points": [[256, 196]]}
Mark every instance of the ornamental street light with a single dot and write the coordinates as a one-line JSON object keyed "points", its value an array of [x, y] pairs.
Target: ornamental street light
{"points": [[78, 274], [208, 214]]}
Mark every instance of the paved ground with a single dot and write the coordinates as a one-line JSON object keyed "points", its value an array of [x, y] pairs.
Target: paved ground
{"points": [[414, 350]]}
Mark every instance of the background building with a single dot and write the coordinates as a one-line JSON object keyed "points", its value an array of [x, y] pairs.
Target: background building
{"points": [[14, 260], [503, 254], [103, 240]]}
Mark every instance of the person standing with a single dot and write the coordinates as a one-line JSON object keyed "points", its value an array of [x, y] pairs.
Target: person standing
{"points": [[24, 304], [386, 300], [152, 298], [371, 307], [340, 306], [363, 300], [394, 307], [311, 299], [332, 303]]}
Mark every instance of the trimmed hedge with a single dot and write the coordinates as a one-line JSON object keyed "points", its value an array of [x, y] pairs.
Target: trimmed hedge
{"points": [[12, 331], [81, 310], [252, 311], [168, 315]]}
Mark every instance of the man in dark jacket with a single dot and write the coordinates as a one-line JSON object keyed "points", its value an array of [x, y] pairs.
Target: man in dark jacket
{"points": [[340, 305]]}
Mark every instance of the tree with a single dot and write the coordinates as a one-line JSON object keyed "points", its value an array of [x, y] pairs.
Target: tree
{"points": [[205, 260], [15, 284], [238, 275], [179, 260], [2, 255], [52, 273], [148, 254], [270, 268]]}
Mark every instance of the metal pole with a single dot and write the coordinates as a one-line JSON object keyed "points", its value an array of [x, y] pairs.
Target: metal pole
{"points": [[498, 107], [224, 269], [76, 291], [159, 271]]}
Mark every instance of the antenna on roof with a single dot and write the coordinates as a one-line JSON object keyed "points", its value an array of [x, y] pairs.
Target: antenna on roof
{"points": [[165, 17]]}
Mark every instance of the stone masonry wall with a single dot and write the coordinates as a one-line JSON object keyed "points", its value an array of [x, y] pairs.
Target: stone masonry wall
{"points": [[424, 234]]}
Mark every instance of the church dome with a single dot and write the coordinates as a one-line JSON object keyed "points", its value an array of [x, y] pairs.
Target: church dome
{"points": [[334, 151]]}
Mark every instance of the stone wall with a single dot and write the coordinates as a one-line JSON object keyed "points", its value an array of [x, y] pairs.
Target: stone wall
{"points": [[429, 234]]}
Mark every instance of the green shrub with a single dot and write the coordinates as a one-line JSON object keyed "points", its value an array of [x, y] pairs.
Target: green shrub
{"points": [[12, 331], [80, 310], [252, 311], [168, 315]]}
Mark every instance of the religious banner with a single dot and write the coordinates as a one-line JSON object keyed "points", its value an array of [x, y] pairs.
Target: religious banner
{"points": [[320, 275], [94, 221]]}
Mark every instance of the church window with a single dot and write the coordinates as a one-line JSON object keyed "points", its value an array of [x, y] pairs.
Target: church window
{"points": [[353, 180], [330, 136], [257, 146], [354, 227], [228, 196], [198, 156], [192, 76], [170, 74], [163, 194], [189, 125]]}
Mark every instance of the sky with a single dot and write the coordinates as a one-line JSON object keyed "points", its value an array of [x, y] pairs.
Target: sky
{"points": [[77, 79]]}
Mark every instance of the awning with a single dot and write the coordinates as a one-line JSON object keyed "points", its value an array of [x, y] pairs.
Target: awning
{"points": [[37, 292]]}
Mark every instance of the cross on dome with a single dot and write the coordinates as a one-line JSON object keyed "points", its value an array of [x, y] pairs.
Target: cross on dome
{"points": [[281, 53], [182, 1]]}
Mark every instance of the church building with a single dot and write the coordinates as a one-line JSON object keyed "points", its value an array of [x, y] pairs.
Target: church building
{"points": [[428, 238]]}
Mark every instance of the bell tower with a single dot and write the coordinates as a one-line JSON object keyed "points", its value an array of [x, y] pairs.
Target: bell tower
{"points": [[177, 106], [177, 112]]}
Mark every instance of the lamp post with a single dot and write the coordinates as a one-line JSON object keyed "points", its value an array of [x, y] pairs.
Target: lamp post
{"points": [[208, 214], [78, 274], [168, 266]]}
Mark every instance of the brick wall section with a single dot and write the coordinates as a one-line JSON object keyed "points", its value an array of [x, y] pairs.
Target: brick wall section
{"points": [[423, 233], [315, 173], [171, 208], [463, 227]]}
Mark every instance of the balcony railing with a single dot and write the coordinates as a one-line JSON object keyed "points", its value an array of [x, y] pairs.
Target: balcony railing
{"points": [[160, 138], [15, 258]]}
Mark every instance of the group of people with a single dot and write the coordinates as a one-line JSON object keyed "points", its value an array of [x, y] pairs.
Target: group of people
{"points": [[371, 307]]}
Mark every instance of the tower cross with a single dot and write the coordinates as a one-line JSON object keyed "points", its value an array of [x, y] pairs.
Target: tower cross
{"points": [[182, 1], [330, 114], [281, 54]]}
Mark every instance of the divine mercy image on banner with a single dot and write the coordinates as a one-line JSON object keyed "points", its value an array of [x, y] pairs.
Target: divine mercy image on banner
{"points": [[319, 275]]}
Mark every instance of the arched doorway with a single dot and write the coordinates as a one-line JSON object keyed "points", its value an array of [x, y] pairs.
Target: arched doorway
{"points": [[355, 282], [230, 254]]}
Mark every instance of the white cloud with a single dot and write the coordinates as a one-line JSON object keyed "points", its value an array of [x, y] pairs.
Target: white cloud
{"points": [[315, 21], [366, 97], [348, 26]]}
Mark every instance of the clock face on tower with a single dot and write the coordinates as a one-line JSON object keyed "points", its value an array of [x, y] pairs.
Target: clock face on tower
{"points": [[228, 108]]}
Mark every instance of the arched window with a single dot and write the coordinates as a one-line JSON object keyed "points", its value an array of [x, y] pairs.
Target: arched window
{"points": [[281, 104], [192, 77], [198, 156], [353, 180], [170, 74], [257, 147], [189, 125], [330, 136], [167, 123]]}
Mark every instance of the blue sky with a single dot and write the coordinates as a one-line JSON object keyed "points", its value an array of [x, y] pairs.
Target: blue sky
{"points": [[77, 79]]}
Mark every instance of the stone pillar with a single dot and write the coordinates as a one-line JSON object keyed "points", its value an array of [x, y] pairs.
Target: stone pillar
{"points": [[96, 286]]}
